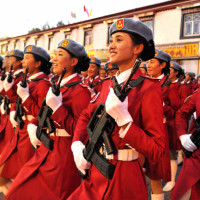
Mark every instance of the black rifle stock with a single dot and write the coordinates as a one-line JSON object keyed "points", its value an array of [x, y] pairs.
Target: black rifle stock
{"points": [[3, 76], [100, 127], [19, 110], [44, 117], [195, 137]]}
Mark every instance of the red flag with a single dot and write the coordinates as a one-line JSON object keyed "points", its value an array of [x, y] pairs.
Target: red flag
{"points": [[86, 10]]}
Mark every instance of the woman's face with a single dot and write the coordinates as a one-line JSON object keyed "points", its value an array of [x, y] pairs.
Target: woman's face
{"points": [[63, 60], [112, 72], [15, 63], [121, 48], [154, 68], [173, 74], [93, 70], [102, 73], [30, 62]]}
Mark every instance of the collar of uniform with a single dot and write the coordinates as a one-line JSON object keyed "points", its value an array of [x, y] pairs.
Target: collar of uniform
{"points": [[160, 77], [121, 77], [18, 71], [65, 80], [176, 81], [35, 75]]}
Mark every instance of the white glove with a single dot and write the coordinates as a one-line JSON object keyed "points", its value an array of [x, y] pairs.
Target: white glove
{"points": [[12, 120], [1, 85], [53, 101], [187, 142], [7, 85], [23, 92], [31, 128], [92, 92], [117, 109], [2, 108], [81, 163]]}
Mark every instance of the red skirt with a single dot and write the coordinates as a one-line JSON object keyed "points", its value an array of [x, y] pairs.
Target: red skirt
{"points": [[189, 177], [128, 182], [16, 153], [48, 174]]}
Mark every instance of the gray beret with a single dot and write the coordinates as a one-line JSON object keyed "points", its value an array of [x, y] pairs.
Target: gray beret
{"points": [[192, 74], [198, 75], [17, 53], [37, 51], [95, 61], [130, 25], [143, 65], [73, 47], [161, 55], [110, 66], [1, 58], [175, 66]]}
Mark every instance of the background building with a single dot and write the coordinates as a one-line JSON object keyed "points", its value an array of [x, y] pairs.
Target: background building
{"points": [[175, 24]]}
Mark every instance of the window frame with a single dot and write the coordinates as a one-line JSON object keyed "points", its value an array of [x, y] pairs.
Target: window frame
{"points": [[182, 28], [86, 31], [148, 18]]}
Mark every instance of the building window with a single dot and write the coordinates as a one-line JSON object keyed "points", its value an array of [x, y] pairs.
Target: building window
{"points": [[67, 35], [36, 41], [15, 45], [50, 43], [88, 37], [108, 38], [25, 43], [190, 26], [149, 21]]}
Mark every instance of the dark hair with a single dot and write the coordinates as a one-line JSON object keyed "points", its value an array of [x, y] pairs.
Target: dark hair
{"points": [[18, 58], [45, 65], [1, 64], [82, 61], [179, 72], [149, 47], [165, 70]]}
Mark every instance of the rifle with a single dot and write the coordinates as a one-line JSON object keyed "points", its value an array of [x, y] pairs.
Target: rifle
{"points": [[19, 110], [195, 137], [3, 74], [7, 100], [44, 117], [100, 127]]}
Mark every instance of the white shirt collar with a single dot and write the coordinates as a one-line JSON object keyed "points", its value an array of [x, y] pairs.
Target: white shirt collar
{"points": [[65, 80], [121, 77], [160, 77], [176, 81], [35, 75], [18, 71]]}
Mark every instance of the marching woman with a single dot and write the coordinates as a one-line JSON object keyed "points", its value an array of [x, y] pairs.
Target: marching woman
{"points": [[137, 129], [188, 182], [19, 149], [158, 68], [52, 174]]}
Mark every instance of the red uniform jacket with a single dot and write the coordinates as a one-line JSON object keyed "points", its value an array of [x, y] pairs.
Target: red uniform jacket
{"points": [[19, 149], [6, 128], [53, 174], [183, 91], [146, 135], [96, 83], [190, 173]]}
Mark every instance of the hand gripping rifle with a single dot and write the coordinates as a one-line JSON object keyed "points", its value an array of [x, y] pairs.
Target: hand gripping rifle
{"points": [[7, 100], [44, 117], [19, 109], [195, 137], [3, 76], [99, 129]]}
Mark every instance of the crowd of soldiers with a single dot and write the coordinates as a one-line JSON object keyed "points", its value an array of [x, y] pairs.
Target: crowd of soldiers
{"points": [[73, 128]]}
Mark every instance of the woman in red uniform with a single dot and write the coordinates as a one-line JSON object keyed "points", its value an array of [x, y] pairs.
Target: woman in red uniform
{"points": [[188, 182], [137, 128], [158, 68], [53, 174], [19, 149]]}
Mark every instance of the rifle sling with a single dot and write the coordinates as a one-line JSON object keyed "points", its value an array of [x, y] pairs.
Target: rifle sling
{"points": [[134, 83]]}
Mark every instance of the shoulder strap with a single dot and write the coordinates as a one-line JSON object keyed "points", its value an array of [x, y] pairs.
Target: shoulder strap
{"points": [[37, 79], [18, 75], [72, 84], [134, 83], [167, 83]]}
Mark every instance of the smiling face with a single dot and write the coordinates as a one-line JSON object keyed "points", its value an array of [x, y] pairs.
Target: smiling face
{"points": [[63, 60], [30, 62], [93, 70], [123, 51], [154, 68]]}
